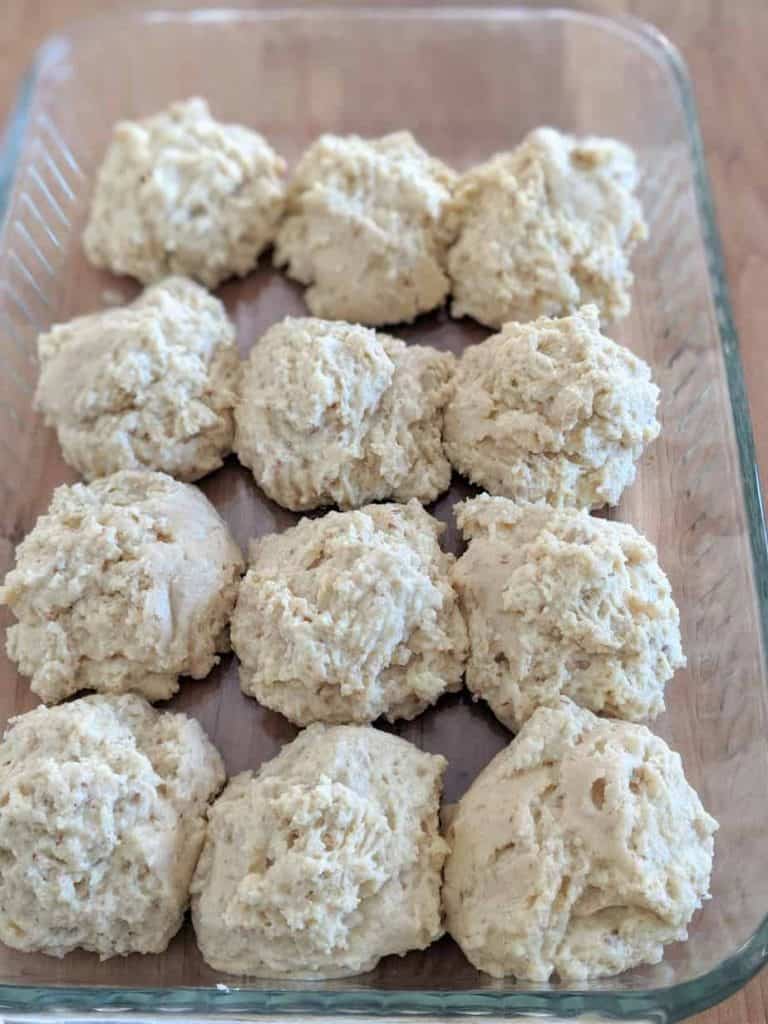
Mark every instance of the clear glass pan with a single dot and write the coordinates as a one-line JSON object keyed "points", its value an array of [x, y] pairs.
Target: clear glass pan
{"points": [[467, 82]]}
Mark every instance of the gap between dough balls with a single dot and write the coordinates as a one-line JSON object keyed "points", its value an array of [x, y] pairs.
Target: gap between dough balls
{"points": [[182, 193], [150, 385], [551, 411], [332, 413], [325, 860], [581, 851], [123, 585], [349, 617]]}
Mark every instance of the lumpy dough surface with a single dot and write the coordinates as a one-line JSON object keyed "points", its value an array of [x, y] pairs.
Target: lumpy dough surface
{"points": [[551, 411], [581, 850], [351, 616], [149, 385], [181, 193], [336, 414], [102, 820], [543, 229], [325, 860], [124, 584], [362, 228], [559, 602]]}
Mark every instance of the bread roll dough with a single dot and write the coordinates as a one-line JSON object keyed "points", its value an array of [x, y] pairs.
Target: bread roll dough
{"points": [[336, 414], [124, 584], [544, 229], [558, 602], [551, 411], [362, 228], [101, 823], [181, 193], [351, 616], [151, 385], [326, 859], [580, 850]]}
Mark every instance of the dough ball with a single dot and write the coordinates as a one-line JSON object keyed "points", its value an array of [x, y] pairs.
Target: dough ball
{"points": [[325, 860], [151, 385], [180, 193], [102, 806], [124, 584], [558, 602], [551, 411], [336, 414], [580, 850], [362, 228], [544, 229], [349, 617]]}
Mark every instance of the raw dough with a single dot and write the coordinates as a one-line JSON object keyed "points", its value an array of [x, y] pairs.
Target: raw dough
{"points": [[334, 413], [101, 823], [362, 228], [580, 849], [558, 602], [151, 385], [349, 617], [124, 584], [551, 410], [544, 229], [325, 860], [180, 193]]}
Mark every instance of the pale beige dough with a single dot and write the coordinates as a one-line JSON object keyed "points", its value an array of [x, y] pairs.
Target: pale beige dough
{"points": [[543, 229], [326, 859], [102, 805], [362, 228], [150, 385], [559, 602], [349, 617], [551, 411], [123, 585], [336, 414], [581, 850], [181, 193]]}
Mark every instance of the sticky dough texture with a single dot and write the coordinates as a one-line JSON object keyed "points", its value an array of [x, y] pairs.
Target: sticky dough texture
{"points": [[150, 385], [544, 229], [101, 822], [580, 850], [124, 584], [324, 861], [362, 228], [336, 414], [181, 193], [349, 617], [551, 411]]}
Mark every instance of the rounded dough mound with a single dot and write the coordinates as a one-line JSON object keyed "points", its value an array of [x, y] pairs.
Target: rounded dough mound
{"points": [[551, 411], [180, 193], [362, 228], [123, 585], [580, 850], [151, 385], [325, 860], [349, 617], [102, 806], [544, 229], [558, 602], [336, 414]]}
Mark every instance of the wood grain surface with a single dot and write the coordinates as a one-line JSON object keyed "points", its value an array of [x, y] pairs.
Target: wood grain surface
{"points": [[724, 45]]}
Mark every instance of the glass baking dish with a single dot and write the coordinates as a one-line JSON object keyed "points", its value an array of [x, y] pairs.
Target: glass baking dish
{"points": [[467, 82]]}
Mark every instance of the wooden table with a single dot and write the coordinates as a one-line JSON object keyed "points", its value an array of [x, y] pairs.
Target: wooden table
{"points": [[724, 44]]}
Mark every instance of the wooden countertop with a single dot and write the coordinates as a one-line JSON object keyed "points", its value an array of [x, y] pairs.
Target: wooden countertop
{"points": [[725, 45]]}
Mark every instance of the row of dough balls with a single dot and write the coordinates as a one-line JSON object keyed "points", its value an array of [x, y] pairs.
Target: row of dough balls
{"points": [[330, 413], [378, 230], [131, 581], [580, 850]]}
